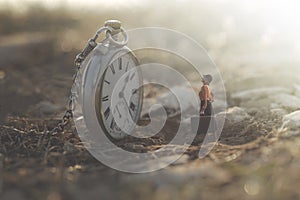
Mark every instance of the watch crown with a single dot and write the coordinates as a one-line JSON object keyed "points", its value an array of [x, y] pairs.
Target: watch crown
{"points": [[115, 24]]}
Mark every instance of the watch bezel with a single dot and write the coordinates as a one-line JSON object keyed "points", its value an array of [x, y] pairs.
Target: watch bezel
{"points": [[99, 86]]}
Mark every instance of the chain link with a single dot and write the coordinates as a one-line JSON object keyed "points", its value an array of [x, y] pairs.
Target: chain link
{"points": [[77, 64]]}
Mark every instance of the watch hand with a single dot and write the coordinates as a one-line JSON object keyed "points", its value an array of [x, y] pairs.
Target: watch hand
{"points": [[127, 106], [117, 108], [126, 81], [121, 93]]}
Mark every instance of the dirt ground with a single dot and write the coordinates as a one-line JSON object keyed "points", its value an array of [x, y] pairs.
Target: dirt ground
{"points": [[253, 159]]}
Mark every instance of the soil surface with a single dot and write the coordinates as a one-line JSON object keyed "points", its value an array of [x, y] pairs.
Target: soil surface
{"points": [[255, 158]]}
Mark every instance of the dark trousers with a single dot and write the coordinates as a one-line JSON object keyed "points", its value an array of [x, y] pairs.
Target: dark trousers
{"points": [[209, 112], [209, 109]]}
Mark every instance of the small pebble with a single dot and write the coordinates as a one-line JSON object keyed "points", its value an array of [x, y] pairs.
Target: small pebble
{"points": [[291, 122], [234, 115]]}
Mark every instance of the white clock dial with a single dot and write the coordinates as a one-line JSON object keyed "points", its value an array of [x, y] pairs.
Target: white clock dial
{"points": [[119, 113]]}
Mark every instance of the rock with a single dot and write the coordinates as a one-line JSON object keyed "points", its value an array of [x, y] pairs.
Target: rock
{"points": [[233, 115], [170, 103], [291, 122], [297, 90], [219, 105], [286, 101], [258, 104], [271, 98], [259, 93], [169, 99], [278, 112]]}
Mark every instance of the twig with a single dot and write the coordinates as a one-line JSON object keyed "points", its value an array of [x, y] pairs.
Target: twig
{"points": [[12, 128]]}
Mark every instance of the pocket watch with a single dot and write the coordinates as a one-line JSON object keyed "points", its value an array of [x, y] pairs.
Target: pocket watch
{"points": [[110, 83]]}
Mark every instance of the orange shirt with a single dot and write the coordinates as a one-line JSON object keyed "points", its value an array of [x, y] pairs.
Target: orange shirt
{"points": [[205, 93]]}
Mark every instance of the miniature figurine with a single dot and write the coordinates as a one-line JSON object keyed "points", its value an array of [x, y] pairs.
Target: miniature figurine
{"points": [[201, 123], [206, 97]]}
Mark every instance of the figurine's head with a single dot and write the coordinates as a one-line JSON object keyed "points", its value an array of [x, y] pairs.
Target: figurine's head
{"points": [[207, 79]]}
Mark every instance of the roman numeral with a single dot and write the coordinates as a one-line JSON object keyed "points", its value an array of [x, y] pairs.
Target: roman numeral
{"points": [[112, 68], [105, 98], [132, 106], [112, 124], [120, 63], [134, 91], [106, 113]]}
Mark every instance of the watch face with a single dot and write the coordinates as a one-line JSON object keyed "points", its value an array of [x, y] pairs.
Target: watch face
{"points": [[120, 97]]}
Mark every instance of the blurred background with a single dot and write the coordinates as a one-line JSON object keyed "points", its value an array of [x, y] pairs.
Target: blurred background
{"points": [[254, 43], [250, 39]]}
